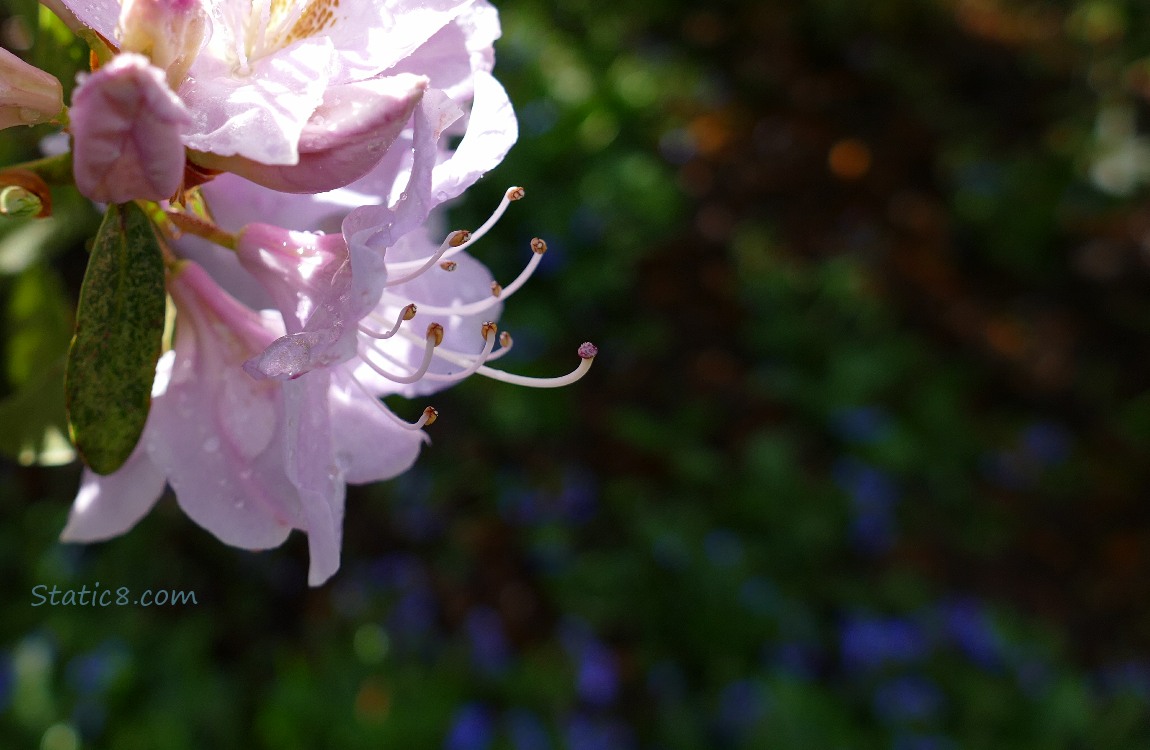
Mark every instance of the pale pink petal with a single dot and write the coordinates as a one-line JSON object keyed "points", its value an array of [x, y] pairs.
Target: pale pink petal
{"points": [[372, 37], [456, 51], [126, 125], [260, 115], [98, 15], [491, 132], [310, 463], [28, 95], [344, 139], [320, 288], [107, 506], [370, 445], [218, 434], [379, 227]]}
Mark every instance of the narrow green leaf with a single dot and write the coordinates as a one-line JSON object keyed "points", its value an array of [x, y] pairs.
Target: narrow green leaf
{"points": [[119, 329]]}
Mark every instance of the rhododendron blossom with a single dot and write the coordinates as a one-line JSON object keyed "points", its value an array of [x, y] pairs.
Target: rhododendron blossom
{"points": [[298, 96], [296, 155]]}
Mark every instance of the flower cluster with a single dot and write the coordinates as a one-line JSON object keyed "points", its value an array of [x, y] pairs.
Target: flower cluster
{"points": [[292, 156]]}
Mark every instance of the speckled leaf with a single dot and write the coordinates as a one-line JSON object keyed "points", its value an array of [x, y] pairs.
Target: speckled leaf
{"points": [[119, 328]]}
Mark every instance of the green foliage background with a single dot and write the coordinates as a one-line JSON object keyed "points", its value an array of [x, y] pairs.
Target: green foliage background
{"points": [[863, 462]]}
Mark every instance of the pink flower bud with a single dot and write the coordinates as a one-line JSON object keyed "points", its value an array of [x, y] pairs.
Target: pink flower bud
{"points": [[168, 32], [28, 95], [126, 126]]}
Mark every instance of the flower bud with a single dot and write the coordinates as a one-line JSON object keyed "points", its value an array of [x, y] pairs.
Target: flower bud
{"points": [[126, 128], [168, 32], [28, 95]]}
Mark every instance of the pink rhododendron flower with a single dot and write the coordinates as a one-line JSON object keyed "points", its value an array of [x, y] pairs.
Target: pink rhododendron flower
{"points": [[28, 95], [127, 126], [248, 460], [300, 96]]}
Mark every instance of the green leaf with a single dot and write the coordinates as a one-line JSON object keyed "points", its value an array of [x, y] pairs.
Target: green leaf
{"points": [[119, 329]]}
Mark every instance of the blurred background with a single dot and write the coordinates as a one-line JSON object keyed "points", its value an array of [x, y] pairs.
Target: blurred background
{"points": [[863, 462]]}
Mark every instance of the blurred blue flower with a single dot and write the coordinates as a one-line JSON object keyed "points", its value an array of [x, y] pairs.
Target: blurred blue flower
{"points": [[923, 742], [597, 680], [596, 677], [1047, 443], [861, 424], [91, 673], [527, 730], [586, 733], [579, 498], [490, 652], [7, 680], [869, 643], [873, 496], [472, 728], [1128, 678], [907, 699], [414, 616], [723, 548], [792, 658], [398, 571], [742, 705], [967, 625]]}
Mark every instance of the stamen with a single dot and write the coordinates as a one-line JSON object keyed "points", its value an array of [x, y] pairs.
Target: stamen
{"points": [[489, 329], [512, 194], [407, 313], [456, 239], [429, 414], [448, 265], [587, 353], [498, 291], [434, 339]]}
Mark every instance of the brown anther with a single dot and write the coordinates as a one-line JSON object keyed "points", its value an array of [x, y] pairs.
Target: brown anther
{"points": [[409, 311], [458, 237], [448, 265], [435, 333], [538, 246], [489, 329], [504, 339], [496, 289], [432, 414], [516, 193]]}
